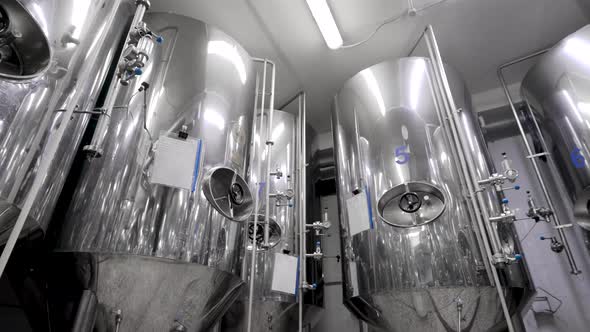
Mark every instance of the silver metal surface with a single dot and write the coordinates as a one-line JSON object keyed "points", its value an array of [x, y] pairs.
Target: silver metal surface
{"points": [[558, 89], [200, 79], [82, 44], [281, 213], [409, 278], [140, 293]]}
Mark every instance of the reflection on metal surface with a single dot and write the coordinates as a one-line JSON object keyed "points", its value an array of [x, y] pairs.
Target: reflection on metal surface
{"points": [[28, 109], [283, 224], [275, 233], [24, 48], [410, 277], [228, 193], [411, 204], [116, 210], [558, 89], [145, 293]]}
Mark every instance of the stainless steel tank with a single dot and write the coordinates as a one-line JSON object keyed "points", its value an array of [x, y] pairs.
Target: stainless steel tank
{"points": [[558, 90], [53, 54], [271, 310], [160, 258], [412, 250]]}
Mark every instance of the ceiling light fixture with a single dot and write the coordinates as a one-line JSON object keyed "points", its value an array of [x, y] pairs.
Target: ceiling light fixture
{"points": [[325, 21]]}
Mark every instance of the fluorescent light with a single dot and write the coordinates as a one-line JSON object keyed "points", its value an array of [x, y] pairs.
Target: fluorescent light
{"points": [[325, 21]]}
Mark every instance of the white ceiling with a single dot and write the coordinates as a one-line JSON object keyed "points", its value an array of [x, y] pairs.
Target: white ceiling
{"points": [[475, 37]]}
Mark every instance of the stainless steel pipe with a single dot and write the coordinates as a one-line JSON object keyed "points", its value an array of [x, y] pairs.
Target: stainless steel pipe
{"points": [[95, 148], [554, 218], [467, 165], [266, 183]]}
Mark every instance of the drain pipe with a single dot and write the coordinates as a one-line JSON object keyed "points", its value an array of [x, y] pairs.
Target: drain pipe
{"points": [[53, 144], [533, 157], [466, 163]]}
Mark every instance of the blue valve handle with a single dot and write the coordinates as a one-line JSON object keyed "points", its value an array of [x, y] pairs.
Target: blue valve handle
{"points": [[505, 201], [137, 71], [159, 39], [542, 238], [517, 187], [517, 257]]}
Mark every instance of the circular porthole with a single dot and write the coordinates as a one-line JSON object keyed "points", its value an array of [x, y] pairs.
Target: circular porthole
{"points": [[228, 193], [24, 48], [411, 204], [274, 234]]}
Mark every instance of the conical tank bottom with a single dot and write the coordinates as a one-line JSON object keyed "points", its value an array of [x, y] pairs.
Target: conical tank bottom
{"points": [[141, 293]]}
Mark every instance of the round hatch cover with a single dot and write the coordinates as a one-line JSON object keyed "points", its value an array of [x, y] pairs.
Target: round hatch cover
{"points": [[228, 193], [411, 204], [24, 48], [274, 234]]}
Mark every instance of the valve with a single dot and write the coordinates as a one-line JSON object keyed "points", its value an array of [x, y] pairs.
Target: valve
{"points": [[277, 173], [309, 286], [510, 173], [507, 215], [317, 254], [537, 213], [136, 53], [556, 245]]}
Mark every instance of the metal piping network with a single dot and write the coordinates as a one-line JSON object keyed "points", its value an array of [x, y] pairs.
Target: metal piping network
{"points": [[533, 157], [467, 166], [49, 155], [301, 98], [129, 66], [265, 63]]}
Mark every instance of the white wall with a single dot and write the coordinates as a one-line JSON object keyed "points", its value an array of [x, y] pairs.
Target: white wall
{"points": [[549, 270]]}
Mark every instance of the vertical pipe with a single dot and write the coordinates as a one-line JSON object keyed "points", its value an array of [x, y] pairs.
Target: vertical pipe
{"points": [[253, 152], [472, 181], [269, 145], [53, 144], [563, 238], [95, 148], [256, 202], [303, 203], [302, 252]]}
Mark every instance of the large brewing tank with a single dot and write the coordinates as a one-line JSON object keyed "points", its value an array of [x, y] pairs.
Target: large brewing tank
{"points": [[268, 305], [54, 54], [412, 250], [558, 90], [156, 257]]}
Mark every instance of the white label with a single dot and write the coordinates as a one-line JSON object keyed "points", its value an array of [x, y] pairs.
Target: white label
{"points": [[284, 274], [175, 162], [358, 214]]}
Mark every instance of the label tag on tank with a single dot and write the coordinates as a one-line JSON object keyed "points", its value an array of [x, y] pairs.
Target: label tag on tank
{"points": [[176, 162], [285, 276], [359, 214]]}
